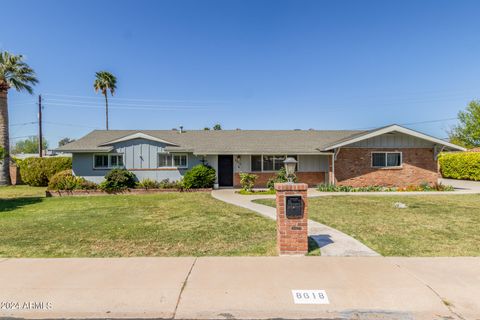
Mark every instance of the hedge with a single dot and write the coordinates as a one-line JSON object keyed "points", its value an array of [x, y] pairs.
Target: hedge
{"points": [[461, 165], [38, 171]]}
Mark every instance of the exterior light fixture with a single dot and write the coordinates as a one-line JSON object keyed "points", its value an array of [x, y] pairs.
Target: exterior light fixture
{"points": [[290, 164]]}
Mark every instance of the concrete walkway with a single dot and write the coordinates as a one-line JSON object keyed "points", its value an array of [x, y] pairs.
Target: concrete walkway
{"points": [[331, 241], [240, 288]]}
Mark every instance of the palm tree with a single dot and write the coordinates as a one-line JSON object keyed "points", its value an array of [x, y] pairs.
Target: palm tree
{"points": [[104, 82], [14, 73]]}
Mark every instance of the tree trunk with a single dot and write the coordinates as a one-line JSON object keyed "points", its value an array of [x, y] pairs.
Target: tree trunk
{"points": [[106, 109], [4, 138]]}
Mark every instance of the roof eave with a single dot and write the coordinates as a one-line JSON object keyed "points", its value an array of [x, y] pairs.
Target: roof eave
{"points": [[392, 128]]}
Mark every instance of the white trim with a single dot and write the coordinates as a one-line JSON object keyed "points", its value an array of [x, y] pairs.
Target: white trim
{"points": [[138, 135], [396, 128], [386, 160], [172, 154], [109, 165], [257, 153]]}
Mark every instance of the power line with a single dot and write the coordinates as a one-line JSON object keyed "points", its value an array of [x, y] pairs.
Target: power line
{"points": [[131, 99], [69, 124], [160, 108], [413, 123], [23, 124]]}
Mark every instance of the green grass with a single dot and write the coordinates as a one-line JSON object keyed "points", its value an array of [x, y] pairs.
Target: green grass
{"points": [[21, 191], [434, 225], [173, 224], [256, 192]]}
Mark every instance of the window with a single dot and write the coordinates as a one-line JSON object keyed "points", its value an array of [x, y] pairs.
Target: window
{"points": [[172, 161], [256, 163], [180, 160], [268, 162], [386, 159], [108, 161]]}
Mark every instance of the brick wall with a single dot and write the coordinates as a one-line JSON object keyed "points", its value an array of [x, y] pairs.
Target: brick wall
{"points": [[310, 178], [15, 174], [292, 233], [353, 168]]}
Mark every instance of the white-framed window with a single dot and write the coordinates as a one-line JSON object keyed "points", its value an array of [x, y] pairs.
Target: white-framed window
{"points": [[386, 159], [268, 163], [172, 160], [108, 161]]}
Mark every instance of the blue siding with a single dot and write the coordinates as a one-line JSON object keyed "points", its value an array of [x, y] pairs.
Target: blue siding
{"points": [[140, 155]]}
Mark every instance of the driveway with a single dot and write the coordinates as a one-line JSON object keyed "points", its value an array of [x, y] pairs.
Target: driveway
{"points": [[331, 241], [465, 185]]}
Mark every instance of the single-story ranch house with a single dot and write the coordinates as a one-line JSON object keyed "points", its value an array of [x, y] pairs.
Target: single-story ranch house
{"points": [[390, 156]]}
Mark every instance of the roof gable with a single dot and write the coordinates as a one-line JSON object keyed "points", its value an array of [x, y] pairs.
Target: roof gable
{"points": [[389, 129], [138, 135]]}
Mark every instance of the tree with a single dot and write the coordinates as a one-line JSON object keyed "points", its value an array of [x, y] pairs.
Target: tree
{"points": [[218, 126], [65, 141], [16, 74], [467, 132], [29, 145], [104, 82], [206, 129]]}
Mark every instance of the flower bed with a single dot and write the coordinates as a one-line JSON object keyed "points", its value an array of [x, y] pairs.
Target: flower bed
{"points": [[79, 192], [422, 187]]}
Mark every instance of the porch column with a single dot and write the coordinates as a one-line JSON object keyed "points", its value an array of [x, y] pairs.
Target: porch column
{"points": [[331, 169]]}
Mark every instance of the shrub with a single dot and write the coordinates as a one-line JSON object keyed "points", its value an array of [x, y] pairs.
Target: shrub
{"points": [[65, 180], [117, 180], [280, 177], [148, 184], [461, 165], [247, 181], [167, 184], [38, 171], [200, 176]]}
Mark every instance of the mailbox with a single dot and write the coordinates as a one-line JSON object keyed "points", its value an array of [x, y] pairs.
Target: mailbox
{"points": [[293, 207]]}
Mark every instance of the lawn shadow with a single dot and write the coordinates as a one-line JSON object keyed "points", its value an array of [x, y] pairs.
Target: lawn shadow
{"points": [[10, 204]]}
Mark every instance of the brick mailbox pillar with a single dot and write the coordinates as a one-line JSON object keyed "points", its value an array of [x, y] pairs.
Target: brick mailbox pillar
{"points": [[292, 218]]}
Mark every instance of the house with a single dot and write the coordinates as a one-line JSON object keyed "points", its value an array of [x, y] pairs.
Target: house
{"points": [[390, 156]]}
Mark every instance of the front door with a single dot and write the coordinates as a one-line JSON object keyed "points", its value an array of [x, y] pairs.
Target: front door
{"points": [[225, 171]]}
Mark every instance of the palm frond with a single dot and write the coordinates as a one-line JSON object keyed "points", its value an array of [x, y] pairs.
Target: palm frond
{"points": [[15, 73], [104, 82]]}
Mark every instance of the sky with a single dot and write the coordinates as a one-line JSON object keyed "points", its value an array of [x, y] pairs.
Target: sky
{"points": [[244, 64]]}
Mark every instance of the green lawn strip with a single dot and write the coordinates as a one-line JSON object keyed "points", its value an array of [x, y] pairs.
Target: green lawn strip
{"points": [[256, 192], [174, 224], [433, 225], [21, 191]]}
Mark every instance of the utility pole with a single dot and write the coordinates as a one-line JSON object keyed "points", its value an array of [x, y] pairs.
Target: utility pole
{"points": [[40, 135]]}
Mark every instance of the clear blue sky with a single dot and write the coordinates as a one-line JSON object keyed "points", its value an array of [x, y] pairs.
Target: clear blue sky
{"points": [[245, 64]]}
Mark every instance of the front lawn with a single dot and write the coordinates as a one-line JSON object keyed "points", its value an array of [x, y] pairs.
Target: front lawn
{"points": [[173, 224], [433, 225]]}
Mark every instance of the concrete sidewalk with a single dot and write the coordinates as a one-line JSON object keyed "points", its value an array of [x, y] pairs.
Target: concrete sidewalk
{"points": [[241, 287]]}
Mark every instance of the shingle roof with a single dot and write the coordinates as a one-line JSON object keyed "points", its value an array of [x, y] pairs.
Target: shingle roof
{"points": [[223, 141]]}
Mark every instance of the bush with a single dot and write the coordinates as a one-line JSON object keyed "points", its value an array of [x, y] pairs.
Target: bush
{"points": [[38, 171], [65, 180], [148, 184], [200, 176], [117, 180], [167, 184], [280, 177], [421, 187], [247, 181], [461, 165]]}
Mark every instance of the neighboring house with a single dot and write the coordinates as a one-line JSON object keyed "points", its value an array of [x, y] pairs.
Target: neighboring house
{"points": [[393, 155]]}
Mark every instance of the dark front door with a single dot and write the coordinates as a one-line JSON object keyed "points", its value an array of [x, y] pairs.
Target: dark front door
{"points": [[225, 171]]}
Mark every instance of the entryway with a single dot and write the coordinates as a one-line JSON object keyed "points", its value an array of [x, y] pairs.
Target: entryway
{"points": [[225, 170]]}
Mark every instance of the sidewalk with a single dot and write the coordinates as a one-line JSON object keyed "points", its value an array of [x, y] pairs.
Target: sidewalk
{"points": [[242, 287], [332, 242]]}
